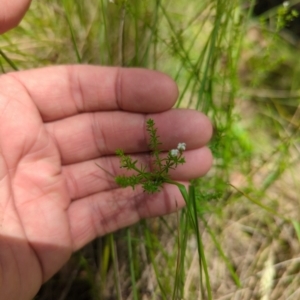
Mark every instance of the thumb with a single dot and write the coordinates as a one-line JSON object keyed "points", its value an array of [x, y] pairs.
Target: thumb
{"points": [[11, 13]]}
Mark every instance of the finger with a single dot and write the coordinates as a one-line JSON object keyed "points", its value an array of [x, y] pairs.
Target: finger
{"points": [[87, 178], [11, 13], [63, 91], [89, 136], [106, 212]]}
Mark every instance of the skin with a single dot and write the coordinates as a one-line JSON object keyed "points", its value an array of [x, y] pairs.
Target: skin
{"points": [[11, 13], [56, 124]]}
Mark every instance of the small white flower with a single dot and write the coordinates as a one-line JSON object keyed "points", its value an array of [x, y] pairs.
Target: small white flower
{"points": [[286, 4], [181, 146], [174, 152]]}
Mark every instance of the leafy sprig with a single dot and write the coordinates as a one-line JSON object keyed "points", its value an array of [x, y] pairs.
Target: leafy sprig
{"points": [[151, 178]]}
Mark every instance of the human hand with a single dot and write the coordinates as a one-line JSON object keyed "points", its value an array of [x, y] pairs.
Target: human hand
{"points": [[56, 124], [11, 13]]}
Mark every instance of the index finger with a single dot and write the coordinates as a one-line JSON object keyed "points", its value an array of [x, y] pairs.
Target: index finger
{"points": [[63, 91]]}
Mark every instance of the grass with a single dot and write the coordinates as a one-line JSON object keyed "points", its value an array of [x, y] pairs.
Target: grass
{"points": [[242, 219]]}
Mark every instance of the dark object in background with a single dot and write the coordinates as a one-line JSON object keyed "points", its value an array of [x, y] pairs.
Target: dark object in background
{"points": [[263, 6]]}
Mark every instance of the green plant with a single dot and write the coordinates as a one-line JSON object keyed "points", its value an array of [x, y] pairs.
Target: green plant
{"points": [[152, 180], [154, 177]]}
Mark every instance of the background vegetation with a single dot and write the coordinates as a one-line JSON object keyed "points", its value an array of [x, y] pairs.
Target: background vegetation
{"points": [[241, 71]]}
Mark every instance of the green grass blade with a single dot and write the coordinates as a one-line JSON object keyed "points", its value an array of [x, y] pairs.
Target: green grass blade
{"points": [[115, 266], [234, 276], [150, 247], [131, 264], [66, 3], [202, 259], [8, 60], [296, 225], [258, 203]]}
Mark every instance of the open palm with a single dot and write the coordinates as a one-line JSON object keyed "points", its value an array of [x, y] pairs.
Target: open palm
{"points": [[56, 124]]}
